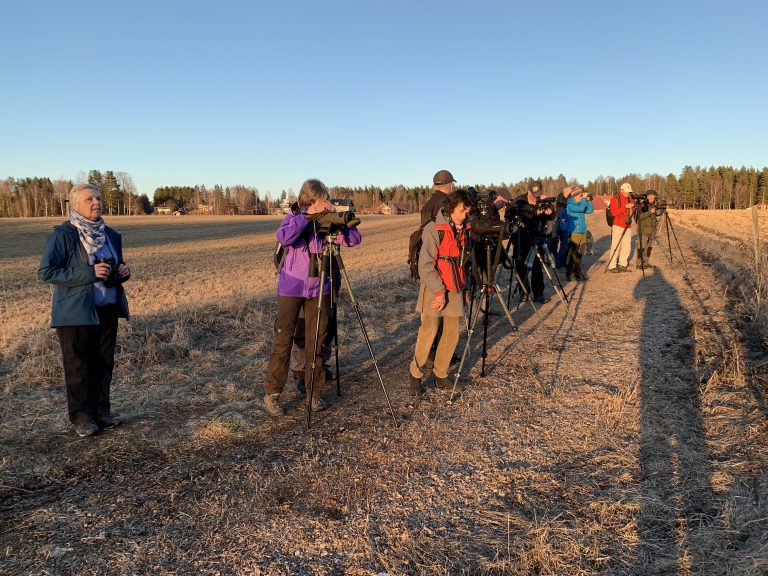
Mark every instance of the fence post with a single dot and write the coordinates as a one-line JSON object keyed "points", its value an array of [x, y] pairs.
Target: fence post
{"points": [[756, 237]]}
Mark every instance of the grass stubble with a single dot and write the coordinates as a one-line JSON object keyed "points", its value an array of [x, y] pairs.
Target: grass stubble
{"points": [[647, 454]]}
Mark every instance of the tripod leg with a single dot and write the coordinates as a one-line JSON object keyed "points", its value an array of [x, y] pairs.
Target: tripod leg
{"points": [[679, 248], [471, 321], [526, 351], [356, 307], [333, 319], [487, 299], [311, 388], [616, 251], [669, 241], [543, 260]]}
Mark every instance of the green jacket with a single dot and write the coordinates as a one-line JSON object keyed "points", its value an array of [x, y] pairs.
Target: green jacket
{"points": [[64, 264], [647, 221]]}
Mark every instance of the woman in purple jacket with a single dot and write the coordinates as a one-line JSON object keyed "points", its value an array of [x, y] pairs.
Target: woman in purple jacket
{"points": [[299, 287]]}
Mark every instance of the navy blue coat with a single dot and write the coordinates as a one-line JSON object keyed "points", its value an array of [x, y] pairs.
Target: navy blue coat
{"points": [[64, 264]]}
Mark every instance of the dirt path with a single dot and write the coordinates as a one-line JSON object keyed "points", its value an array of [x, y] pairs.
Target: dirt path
{"points": [[647, 456]]}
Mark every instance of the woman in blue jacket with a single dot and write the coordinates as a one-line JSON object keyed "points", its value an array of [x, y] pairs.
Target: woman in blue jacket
{"points": [[83, 259], [579, 205]]}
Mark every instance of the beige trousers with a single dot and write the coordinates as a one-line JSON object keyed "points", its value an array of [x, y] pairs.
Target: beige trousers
{"points": [[624, 251], [445, 348]]}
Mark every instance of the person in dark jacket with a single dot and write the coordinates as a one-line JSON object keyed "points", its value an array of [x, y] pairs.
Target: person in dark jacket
{"points": [[647, 223], [442, 185], [83, 260], [298, 288]]}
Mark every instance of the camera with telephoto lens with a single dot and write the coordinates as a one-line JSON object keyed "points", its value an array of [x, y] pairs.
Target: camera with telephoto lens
{"points": [[114, 276], [541, 207], [639, 196], [330, 222], [485, 206], [484, 229]]}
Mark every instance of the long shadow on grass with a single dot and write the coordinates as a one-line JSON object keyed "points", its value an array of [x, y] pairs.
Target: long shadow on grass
{"points": [[678, 510]]}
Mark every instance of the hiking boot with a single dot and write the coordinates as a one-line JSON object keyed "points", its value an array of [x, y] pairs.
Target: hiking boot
{"points": [[300, 387], [569, 277], [318, 404], [414, 386], [87, 428], [613, 270], [541, 299], [272, 405], [623, 269], [582, 278], [443, 383], [109, 420]]}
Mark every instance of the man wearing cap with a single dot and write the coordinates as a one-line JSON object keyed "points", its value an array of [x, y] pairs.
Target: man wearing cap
{"points": [[442, 184], [534, 225], [647, 222], [621, 231]]}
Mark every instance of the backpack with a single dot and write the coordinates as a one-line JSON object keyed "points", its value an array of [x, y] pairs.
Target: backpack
{"points": [[414, 247], [609, 214], [278, 257]]}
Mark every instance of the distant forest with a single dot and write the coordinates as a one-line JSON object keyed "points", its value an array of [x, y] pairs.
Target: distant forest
{"points": [[720, 187]]}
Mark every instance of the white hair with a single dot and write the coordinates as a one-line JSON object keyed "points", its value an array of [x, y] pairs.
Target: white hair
{"points": [[77, 188]]}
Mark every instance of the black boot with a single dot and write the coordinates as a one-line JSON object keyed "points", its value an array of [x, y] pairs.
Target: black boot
{"points": [[414, 386]]}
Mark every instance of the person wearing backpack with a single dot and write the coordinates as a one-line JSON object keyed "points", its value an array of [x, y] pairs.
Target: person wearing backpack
{"points": [[299, 287], [441, 290], [621, 229]]}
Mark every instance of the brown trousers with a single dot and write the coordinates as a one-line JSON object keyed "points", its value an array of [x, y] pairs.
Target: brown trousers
{"points": [[285, 325], [445, 348]]}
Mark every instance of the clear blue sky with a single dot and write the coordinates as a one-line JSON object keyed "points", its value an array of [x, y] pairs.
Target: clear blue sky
{"points": [[267, 94]]}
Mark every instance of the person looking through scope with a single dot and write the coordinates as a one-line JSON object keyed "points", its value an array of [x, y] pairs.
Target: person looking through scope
{"points": [[579, 205], [443, 279], [298, 287], [534, 212], [621, 207], [648, 214]]}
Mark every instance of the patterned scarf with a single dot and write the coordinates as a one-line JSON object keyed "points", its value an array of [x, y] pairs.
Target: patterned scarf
{"points": [[92, 234]]}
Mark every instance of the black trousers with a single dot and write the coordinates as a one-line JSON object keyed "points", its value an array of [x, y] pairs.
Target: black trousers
{"points": [[88, 353], [285, 326]]}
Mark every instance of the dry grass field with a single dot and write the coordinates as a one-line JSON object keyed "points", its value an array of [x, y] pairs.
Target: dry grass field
{"points": [[645, 452]]}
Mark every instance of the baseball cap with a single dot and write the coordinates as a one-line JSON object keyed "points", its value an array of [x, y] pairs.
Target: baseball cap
{"points": [[626, 187], [536, 188], [442, 177]]}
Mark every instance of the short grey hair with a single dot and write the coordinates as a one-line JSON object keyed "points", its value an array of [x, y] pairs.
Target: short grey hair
{"points": [[77, 188]]}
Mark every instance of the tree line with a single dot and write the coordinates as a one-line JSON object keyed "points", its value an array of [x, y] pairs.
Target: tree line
{"points": [[722, 187]]}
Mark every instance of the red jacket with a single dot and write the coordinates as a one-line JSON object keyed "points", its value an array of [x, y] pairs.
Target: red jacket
{"points": [[622, 216], [450, 271]]}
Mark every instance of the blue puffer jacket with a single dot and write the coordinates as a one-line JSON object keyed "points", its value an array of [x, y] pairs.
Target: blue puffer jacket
{"points": [[577, 212], [64, 264]]}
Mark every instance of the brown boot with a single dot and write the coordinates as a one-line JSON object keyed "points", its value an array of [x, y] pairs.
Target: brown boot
{"points": [[272, 405]]}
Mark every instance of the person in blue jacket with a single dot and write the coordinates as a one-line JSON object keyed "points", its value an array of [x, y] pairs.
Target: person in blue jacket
{"points": [[83, 260], [579, 205]]}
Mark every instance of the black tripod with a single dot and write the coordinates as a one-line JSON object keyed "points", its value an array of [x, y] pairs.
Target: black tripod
{"points": [[332, 253], [669, 228], [486, 279], [539, 250], [520, 287]]}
